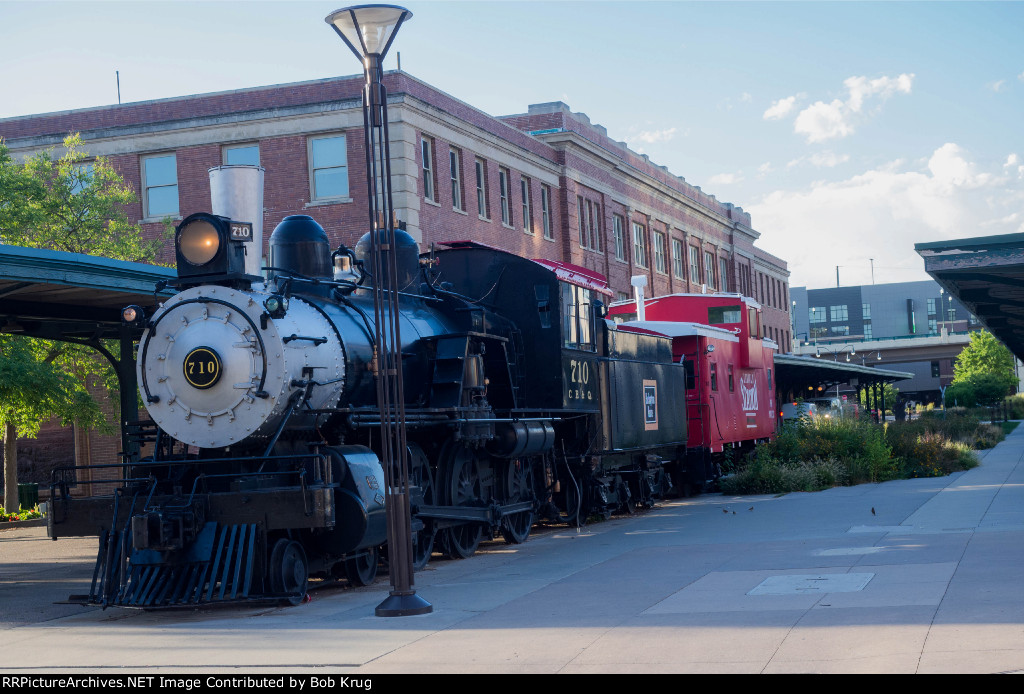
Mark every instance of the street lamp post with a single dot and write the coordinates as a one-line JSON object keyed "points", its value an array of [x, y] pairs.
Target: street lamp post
{"points": [[368, 31]]}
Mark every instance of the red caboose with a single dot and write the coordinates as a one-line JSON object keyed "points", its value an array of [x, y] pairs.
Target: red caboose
{"points": [[730, 387]]}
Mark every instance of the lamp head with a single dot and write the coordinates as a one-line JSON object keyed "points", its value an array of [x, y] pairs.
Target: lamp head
{"points": [[368, 29]]}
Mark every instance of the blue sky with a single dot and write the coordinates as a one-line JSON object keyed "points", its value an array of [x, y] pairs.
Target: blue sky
{"points": [[850, 131]]}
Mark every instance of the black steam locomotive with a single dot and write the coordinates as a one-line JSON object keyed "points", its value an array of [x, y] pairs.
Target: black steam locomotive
{"points": [[261, 468]]}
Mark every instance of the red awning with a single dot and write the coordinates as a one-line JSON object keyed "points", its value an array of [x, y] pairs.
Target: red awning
{"points": [[578, 275]]}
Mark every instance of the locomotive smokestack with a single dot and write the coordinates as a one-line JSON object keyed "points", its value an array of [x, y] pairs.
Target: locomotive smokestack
{"points": [[236, 192], [639, 282]]}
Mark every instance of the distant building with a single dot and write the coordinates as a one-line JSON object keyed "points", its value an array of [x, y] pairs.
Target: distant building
{"points": [[547, 183], [908, 326]]}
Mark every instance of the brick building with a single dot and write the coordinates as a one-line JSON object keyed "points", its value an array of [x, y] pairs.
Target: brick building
{"points": [[545, 184]]}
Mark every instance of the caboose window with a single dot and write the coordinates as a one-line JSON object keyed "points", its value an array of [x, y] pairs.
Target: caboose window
{"points": [[576, 309], [713, 369], [720, 315]]}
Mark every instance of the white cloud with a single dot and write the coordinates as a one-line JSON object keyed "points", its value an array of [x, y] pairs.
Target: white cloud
{"points": [[828, 159], [998, 86], [1021, 77], [861, 88], [746, 97], [780, 108], [725, 179], [652, 136], [825, 121], [1013, 165], [821, 160], [882, 213], [765, 169], [821, 121]]}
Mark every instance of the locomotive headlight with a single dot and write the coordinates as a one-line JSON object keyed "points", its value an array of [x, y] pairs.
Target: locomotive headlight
{"points": [[199, 242]]}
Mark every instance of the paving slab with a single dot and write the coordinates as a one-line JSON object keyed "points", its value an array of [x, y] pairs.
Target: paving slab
{"points": [[905, 576]]}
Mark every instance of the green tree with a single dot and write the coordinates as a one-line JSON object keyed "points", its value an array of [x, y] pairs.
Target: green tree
{"points": [[983, 373], [77, 204], [888, 391], [984, 355], [73, 203]]}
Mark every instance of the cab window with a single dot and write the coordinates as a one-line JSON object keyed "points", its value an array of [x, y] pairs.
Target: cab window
{"points": [[577, 317]]}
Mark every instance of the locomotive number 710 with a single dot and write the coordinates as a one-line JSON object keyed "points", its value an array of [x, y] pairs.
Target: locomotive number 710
{"points": [[580, 372]]}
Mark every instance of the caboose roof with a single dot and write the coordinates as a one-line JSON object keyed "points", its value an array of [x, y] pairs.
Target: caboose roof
{"points": [[650, 301], [674, 329]]}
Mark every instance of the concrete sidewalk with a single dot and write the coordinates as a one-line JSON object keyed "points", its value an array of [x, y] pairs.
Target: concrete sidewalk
{"points": [[901, 577]]}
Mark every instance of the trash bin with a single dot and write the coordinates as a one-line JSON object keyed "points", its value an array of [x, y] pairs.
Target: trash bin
{"points": [[28, 495]]}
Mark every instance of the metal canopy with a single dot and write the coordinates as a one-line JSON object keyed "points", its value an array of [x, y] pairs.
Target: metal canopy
{"points": [[986, 273], [70, 296], [78, 298], [795, 374]]}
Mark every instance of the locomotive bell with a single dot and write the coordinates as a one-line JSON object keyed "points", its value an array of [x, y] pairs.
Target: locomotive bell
{"points": [[407, 257], [300, 245]]}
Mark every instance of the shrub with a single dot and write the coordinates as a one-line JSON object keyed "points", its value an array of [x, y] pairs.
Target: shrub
{"points": [[22, 514], [822, 453]]}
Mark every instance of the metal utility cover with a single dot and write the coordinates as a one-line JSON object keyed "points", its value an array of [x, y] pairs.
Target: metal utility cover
{"points": [[812, 583]]}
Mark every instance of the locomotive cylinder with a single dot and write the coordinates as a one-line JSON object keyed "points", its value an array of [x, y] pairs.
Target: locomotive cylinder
{"points": [[514, 439]]}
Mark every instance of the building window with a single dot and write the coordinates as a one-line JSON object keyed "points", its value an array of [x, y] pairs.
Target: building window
{"points": [[455, 163], [545, 206], [581, 219], [867, 331], [328, 167], [639, 245], [723, 274], [160, 181], [931, 307], [506, 196], [709, 270], [816, 314], [621, 296], [694, 265], [482, 203], [618, 238], [678, 268], [594, 225], [427, 151], [524, 187], [236, 155], [82, 177], [839, 313], [659, 252], [865, 311], [840, 329], [933, 326], [935, 369]]}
